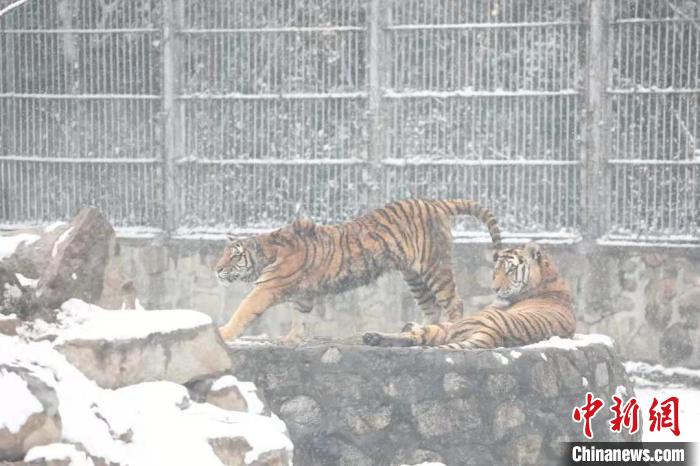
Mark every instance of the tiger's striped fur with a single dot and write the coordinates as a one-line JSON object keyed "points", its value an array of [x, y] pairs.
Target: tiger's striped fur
{"points": [[534, 303], [303, 260]]}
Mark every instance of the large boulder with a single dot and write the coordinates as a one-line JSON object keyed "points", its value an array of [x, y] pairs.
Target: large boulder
{"points": [[351, 404], [30, 413], [118, 348], [78, 260]]}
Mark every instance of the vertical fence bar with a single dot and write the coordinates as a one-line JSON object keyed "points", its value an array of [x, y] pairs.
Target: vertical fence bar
{"points": [[377, 124], [172, 15], [594, 173]]}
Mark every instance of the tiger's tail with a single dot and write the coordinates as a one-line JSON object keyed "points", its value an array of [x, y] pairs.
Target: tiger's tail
{"points": [[473, 208]]}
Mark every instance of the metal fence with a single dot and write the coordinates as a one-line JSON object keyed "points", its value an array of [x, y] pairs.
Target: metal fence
{"points": [[567, 118]]}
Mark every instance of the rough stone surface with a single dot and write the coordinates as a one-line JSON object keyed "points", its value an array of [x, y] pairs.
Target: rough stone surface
{"points": [[408, 405], [78, 260], [39, 428], [179, 356]]}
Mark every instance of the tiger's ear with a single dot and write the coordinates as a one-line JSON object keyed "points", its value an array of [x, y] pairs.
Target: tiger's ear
{"points": [[534, 250], [230, 237], [303, 222], [496, 255]]}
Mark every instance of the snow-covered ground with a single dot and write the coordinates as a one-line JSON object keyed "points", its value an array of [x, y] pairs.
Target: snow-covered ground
{"points": [[8, 244], [656, 381]]}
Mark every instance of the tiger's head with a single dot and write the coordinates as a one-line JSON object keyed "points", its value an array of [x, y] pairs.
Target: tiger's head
{"points": [[238, 262], [518, 272]]}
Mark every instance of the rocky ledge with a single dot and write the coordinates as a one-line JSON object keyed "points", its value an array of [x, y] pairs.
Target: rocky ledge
{"points": [[352, 404]]}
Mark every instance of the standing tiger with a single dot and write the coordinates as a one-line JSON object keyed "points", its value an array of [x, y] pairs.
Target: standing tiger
{"points": [[303, 260], [533, 303]]}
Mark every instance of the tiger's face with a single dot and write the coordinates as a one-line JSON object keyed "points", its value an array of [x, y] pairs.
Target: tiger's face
{"points": [[516, 270], [237, 262]]}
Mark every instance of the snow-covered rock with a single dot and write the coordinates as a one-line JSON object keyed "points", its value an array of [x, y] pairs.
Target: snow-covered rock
{"points": [[227, 392], [142, 424], [28, 412], [118, 348], [59, 454]]}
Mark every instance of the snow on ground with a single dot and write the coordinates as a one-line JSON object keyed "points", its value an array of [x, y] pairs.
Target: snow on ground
{"points": [[143, 424], [78, 320], [637, 367], [652, 381], [18, 402], [57, 452], [53, 226], [688, 415], [8, 244]]}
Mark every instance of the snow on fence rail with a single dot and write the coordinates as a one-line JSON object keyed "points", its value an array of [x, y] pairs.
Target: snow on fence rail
{"points": [[566, 118]]}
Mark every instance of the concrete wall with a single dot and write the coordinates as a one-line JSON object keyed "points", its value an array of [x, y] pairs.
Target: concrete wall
{"points": [[648, 299]]}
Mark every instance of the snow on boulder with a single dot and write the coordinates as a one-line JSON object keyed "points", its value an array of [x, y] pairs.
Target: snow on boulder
{"points": [[118, 348], [229, 393], [60, 454], [28, 412], [142, 424]]}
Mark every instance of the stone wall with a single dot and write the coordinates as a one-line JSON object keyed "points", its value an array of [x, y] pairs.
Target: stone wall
{"points": [[358, 405], [648, 299]]}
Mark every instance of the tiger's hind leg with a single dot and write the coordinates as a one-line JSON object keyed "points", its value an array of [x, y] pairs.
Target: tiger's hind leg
{"points": [[301, 307], [413, 335], [477, 340], [441, 283], [425, 299]]}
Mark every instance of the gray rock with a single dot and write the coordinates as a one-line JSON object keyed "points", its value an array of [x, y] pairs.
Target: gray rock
{"points": [[9, 324], [40, 428], [228, 398], [178, 356], [675, 345], [302, 411], [544, 380], [525, 449], [507, 416], [231, 451], [77, 260], [331, 356], [601, 374]]}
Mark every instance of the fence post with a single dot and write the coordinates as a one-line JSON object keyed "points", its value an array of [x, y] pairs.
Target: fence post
{"points": [[594, 173], [172, 15], [376, 119]]}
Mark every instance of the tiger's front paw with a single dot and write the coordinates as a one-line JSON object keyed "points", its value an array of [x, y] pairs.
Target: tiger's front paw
{"points": [[372, 338], [226, 333], [410, 327]]}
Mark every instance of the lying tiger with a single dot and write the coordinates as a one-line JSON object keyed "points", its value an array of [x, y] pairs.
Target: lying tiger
{"points": [[303, 260], [533, 303]]}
